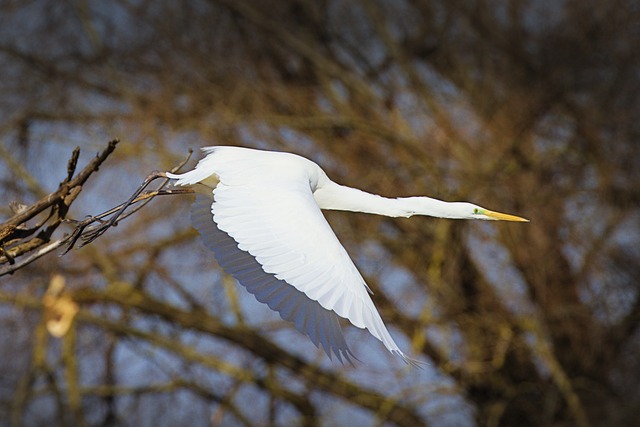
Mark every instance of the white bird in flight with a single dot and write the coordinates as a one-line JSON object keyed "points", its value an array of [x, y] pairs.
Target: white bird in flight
{"points": [[259, 212]]}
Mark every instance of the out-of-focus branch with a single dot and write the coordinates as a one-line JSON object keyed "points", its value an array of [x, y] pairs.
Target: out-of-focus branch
{"points": [[257, 344], [167, 387], [295, 43], [126, 296], [190, 354], [70, 360], [38, 367]]}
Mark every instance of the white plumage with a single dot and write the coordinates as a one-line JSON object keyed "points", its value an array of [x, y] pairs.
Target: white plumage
{"points": [[269, 233]]}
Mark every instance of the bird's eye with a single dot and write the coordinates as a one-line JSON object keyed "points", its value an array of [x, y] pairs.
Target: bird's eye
{"points": [[476, 211]]}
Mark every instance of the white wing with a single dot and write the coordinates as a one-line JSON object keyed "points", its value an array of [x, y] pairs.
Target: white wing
{"points": [[309, 317], [264, 203]]}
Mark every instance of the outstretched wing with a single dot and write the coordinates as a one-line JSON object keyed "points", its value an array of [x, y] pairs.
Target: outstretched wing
{"points": [[309, 317], [271, 235]]}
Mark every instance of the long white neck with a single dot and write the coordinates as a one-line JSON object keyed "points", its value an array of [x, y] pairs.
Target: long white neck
{"points": [[333, 196]]}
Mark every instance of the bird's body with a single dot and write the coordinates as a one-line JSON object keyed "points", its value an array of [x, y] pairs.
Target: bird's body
{"points": [[267, 230]]}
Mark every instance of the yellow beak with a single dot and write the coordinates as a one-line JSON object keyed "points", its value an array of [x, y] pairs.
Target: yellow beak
{"points": [[503, 217]]}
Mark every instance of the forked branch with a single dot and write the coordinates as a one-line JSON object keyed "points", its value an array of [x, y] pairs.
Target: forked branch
{"points": [[21, 244]]}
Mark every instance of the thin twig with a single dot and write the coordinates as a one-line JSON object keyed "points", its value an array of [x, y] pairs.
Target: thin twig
{"points": [[84, 233], [68, 190], [79, 231], [92, 233]]}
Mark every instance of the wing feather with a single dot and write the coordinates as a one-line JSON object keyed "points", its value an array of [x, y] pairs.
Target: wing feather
{"points": [[303, 312]]}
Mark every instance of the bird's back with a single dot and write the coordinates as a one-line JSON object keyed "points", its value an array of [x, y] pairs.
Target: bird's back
{"points": [[244, 166]]}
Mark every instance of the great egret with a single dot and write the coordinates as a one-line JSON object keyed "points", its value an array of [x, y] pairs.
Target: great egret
{"points": [[268, 232]]}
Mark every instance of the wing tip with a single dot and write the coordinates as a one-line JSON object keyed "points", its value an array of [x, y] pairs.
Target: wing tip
{"points": [[345, 353], [410, 361]]}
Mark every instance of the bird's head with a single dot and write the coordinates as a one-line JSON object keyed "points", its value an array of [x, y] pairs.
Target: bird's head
{"points": [[470, 211]]}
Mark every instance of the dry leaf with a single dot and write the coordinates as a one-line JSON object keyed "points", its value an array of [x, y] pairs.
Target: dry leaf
{"points": [[60, 310]]}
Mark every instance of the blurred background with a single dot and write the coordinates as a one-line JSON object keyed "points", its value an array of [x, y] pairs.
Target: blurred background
{"points": [[527, 107]]}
